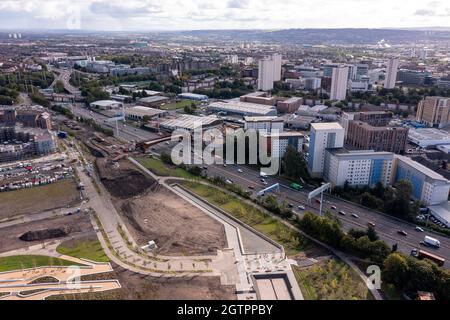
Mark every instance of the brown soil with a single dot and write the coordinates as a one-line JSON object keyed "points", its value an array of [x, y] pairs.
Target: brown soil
{"points": [[80, 226], [178, 227], [141, 287], [123, 180]]}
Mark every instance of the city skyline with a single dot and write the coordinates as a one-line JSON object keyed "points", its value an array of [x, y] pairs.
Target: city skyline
{"points": [[149, 15]]}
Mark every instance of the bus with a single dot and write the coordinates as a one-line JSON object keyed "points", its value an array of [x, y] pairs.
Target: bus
{"points": [[296, 186]]}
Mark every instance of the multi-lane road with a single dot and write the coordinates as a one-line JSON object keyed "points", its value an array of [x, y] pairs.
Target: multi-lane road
{"points": [[387, 227]]}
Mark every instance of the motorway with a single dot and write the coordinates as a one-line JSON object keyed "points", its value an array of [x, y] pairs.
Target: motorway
{"points": [[385, 225]]}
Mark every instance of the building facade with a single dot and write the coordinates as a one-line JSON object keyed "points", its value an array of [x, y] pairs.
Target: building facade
{"points": [[266, 74], [361, 135], [391, 73], [323, 136], [434, 112], [357, 168], [339, 82]]}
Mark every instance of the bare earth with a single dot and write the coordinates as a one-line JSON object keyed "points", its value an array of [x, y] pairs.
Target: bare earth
{"points": [[178, 227], [80, 226]]}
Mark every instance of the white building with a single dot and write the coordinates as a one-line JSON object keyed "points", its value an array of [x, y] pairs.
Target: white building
{"points": [[276, 66], [357, 168], [264, 124], [266, 75], [243, 108], [428, 186], [391, 73], [323, 136], [339, 80], [106, 104], [278, 143]]}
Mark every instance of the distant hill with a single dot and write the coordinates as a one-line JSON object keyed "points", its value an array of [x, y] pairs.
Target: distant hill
{"points": [[326, 36]]}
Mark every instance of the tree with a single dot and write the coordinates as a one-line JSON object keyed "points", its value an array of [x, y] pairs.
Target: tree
{"points": [[396, 270], [371, 233], [166, 158], [294, 164]]}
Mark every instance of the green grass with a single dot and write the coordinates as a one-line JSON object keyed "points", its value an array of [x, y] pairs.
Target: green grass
{"points": [[292, 241], [178, 105], [91, 250], [161, 169], [31, 261], [331, 280]]}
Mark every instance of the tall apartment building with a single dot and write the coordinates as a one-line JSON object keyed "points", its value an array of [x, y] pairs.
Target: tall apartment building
{"points": [[266, 75], [339, 81], [391, 73], [434, 112], [361, 135], [276, 66], [357, 168], [277, 144], [323, 136], [427, 185]]}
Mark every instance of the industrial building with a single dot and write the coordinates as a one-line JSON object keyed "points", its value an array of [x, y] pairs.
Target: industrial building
{"points": [[243, 108], [189, 123], [138, 113], [428, 137], [290, 105], [106, 104], [193, 96], [153, 101], [264, 124]]}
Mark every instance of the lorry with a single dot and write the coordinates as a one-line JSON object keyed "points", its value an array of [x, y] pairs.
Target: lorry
{"points": [[422, 254], [263, 174], [431, 241]]}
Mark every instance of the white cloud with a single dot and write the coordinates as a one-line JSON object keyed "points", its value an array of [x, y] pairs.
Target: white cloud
{"points": [[223, 14]]}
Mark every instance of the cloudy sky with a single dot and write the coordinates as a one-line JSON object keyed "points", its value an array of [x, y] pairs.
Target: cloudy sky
{"points": [[143, 15]]}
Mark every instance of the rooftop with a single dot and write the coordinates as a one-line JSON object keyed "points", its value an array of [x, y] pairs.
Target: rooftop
{"points": [[243, 107], [262, 118], [421, 168], [326, 126]]}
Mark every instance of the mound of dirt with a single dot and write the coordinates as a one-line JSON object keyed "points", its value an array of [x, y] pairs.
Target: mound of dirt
{"points": [[45, 234], [122, 179]]}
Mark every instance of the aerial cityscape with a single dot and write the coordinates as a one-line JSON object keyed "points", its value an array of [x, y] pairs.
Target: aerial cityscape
{"points": [[224, 150]]}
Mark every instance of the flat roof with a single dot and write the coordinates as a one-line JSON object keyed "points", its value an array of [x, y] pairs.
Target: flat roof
{"points": [[188, 122], [144, 111], [428, 134], [326, 126], [153, 99], [262, 118], [242, 107], [420, 167], [442, 210], [105, 103]]}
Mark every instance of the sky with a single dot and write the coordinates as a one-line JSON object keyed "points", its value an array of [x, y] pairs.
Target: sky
{"points": [[145, 15]]}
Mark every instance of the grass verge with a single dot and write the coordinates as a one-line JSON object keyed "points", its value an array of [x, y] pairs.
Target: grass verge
{"points": [[91, 250], [32, 261], [161, 169]]}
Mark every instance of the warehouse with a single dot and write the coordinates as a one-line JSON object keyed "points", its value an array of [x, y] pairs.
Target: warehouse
{"points": [[153, 101], [139, 112], [243, 108], [106, 104], [189, 123], [428, 137], [193, 96]]}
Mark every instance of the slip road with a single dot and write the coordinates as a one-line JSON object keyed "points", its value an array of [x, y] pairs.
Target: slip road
{"points": [[232, 309]]}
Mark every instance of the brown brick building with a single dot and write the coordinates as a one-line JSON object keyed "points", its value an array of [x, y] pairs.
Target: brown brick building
{"points": [[363, 136]]}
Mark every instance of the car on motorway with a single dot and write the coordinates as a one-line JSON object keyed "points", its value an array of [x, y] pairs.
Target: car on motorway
{"points": [[251, 187], [354, 215], [228, 181], [318, 201], [265, 183], [342, 213], [240, 170], [263, 180], [301, 207], [224, 165], [419, 229], [290, 205], [370, 223], [402, 232], [205, 168], [333, 207]]}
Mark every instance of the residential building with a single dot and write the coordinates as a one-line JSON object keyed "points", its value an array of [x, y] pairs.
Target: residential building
{"points": [[323, 136], [339, 83], [434, 112], [427, 186], [276, 58], [362, 136], [357, 168], [312, 83], [266, 75], [391, 73], [278, 143]]}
